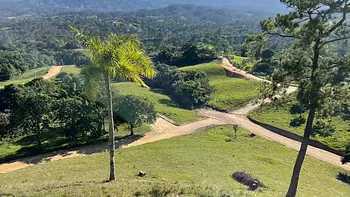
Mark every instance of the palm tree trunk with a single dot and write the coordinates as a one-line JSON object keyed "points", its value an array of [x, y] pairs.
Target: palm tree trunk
{"points": [[111, 130], [292, 191]]}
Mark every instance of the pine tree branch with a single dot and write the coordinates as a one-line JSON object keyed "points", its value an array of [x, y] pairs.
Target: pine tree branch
{"points": [[334, 40], [278, 34], [341, 21]]}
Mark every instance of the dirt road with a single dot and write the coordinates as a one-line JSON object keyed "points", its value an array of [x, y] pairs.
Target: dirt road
{"points": [[225, 63], [54, 70], [237, 117], [163, 129]]}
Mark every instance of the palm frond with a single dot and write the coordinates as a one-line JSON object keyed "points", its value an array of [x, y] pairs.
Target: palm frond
{"points": [[93, 80]]}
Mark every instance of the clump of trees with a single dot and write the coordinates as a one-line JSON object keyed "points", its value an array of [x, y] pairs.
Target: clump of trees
{"points": [[189, 54], [11, 64], [45, 110], [187, 89]]}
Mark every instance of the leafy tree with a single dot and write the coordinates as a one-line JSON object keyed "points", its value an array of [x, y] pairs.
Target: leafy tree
{"points": [[78, 118], [253, 45], [114, 57], [193, 91], [313, 25], [135, 111], [266, 66], [166, 77], [198, 53], [35, 116]]}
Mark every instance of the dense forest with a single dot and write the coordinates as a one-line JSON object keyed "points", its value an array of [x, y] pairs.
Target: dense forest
{"points": [[43, 41], [25, 7]]}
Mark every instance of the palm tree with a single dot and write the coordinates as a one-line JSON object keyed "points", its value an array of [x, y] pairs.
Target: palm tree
{"points": [[118, 57]]}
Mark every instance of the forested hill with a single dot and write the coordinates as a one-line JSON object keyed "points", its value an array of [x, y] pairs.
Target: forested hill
{"points": [[21, 7]]}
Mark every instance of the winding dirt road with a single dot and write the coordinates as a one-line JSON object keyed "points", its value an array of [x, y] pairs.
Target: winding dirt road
{"points": [[163, 129], [54, 70]]}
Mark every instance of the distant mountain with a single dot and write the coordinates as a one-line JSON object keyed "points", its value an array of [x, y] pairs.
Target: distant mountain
{"points": [[127, 5]]}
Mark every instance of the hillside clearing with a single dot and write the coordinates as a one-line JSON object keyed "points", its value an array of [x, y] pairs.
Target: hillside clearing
{"points": [[26, 77], [194, 165], [229, 93]]}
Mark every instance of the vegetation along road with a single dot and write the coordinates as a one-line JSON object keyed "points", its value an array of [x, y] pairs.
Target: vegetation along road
{"points": [[164, 129]]}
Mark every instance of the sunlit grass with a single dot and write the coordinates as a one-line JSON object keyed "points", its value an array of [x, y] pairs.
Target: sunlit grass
{"points": [[194, 165], [229, 93]]}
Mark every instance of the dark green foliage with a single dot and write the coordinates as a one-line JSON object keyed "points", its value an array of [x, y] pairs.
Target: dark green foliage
{"points": [[80, 119], [35, 116], [4, 122], [265, 66], [42, 110], [189, 54], [344, 177], [187, 89], [267, 54], [166, 77], [11, 64], [297, 122], [134, 110], [48, 40], [346, 157], [323, 129], [193, 91]]}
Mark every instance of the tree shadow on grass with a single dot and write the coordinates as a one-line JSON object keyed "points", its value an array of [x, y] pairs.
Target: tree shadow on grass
{"points": [[100, 147], [343, 177], [167, 102]]}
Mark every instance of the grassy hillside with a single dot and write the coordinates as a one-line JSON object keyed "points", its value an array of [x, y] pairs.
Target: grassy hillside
{"points": [[163, 103], [194, 165], [71, 70], [26, 77], [229, 93], [243, 62], [278, 114]]}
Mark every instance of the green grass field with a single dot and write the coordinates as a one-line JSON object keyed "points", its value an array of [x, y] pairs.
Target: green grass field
{"points": [[229, 93], [193, 165], [163, 103], [26, 77], [278, 115], [71, 70], [239, 61]]}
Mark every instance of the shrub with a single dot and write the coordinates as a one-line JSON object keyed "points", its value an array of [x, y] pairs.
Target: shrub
{"points": [[248, 180]]}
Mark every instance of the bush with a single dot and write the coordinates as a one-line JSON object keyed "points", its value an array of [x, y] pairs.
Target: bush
{"points": [[323, 129], [248, 180], [297, 122]]}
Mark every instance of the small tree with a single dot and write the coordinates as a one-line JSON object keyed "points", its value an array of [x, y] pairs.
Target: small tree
{"points": [[135, 111]]}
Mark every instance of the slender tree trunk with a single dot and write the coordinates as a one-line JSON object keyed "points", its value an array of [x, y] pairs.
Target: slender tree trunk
{"points": [[111, 130], [39, 145], [132, 130], [292, 191]]}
